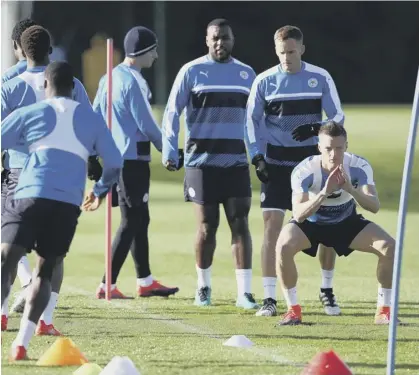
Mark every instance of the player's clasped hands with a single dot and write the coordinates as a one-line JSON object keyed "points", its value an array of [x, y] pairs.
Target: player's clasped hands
{"points": [[338, 179]]}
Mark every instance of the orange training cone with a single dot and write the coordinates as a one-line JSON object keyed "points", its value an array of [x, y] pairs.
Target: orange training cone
{"points": [[63, 352], [326, 363]]}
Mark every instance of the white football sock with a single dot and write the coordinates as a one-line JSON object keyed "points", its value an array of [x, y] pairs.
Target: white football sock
{"points": [[244, 281], [24, 271], [49, 310], [103, 286], [26, 332], [204, 277], [327, 279], [146, 281], [290, 296], [5, 307], [269, 287], [384, 297]]}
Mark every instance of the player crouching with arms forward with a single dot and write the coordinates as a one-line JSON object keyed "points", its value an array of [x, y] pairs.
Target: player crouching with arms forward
{"points": [[325, 190]]}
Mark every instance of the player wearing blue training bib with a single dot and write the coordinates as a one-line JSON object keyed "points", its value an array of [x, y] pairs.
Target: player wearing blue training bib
{"points": [[326, 189], [24, 273], [213, 91], [10, 73], [60, 134], [23, 90]]}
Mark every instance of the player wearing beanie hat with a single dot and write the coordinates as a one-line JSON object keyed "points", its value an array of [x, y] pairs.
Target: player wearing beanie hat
{"points": [[138, 41], [133, 129]]}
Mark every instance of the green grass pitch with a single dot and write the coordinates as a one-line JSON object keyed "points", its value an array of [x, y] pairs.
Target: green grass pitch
{"points": [[171, 336]]}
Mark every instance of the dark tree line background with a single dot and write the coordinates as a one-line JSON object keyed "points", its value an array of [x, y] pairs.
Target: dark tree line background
{"points": [[370, 48]]}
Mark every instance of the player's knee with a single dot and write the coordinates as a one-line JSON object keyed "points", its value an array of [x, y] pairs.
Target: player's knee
{"points": [[208, 230], [145, 219], [273, 218], [239, 226], [272, 224], [388, 248], [285, 248], [46, 268], [11, 254]]}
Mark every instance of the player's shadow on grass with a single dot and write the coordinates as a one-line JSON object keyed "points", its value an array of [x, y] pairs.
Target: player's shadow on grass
{"points": [[408, 315], [323, 338], [401, 303], [407, 366], [214, 364], [360, 314], [204, 311], [139, 316], [214, 302], [182, 335]]}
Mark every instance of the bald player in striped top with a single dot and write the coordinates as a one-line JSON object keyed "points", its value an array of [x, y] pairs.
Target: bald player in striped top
{"points": [[214, 90], [285, 106]]}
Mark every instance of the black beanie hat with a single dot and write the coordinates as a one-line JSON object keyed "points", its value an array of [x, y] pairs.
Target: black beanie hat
{"points": [[138, 41]]}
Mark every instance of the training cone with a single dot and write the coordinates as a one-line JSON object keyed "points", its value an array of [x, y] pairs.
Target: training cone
{"points": [[238, 341], [63, 352], [120, 366], [326, 363], [88, 369]]}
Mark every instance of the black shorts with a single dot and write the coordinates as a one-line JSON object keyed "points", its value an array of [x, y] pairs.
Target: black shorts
{"points": [[339, 236], [134, 183], [277, 192], [49, 223], [212, 185], [4, 180], [12, 181]]}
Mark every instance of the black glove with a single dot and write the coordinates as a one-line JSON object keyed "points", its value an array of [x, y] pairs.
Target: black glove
{"points": [[4, 172], [115, 197], [306, 131], [170, 165], [4, 175], [261, 170], [181, 159], [94, 169]]}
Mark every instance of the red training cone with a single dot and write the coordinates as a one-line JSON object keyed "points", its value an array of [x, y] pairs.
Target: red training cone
{"points": [[326, 363]]}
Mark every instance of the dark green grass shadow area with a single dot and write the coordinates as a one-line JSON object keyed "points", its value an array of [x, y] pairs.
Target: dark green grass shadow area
{"points": [[407, 366]]}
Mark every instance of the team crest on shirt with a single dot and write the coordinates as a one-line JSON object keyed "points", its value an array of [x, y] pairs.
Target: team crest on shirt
{"points": [[244, 74], [312, 82]]}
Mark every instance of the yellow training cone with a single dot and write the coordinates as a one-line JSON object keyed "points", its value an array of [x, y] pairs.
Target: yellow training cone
{"points": [[63, 352], [88, 369]]}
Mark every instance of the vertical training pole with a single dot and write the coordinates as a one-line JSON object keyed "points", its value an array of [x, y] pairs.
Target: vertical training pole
{"points": [[407, 172], [108, 224]]}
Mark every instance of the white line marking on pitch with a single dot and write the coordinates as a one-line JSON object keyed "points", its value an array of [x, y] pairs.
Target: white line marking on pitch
{"points": [[182, 326]]}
